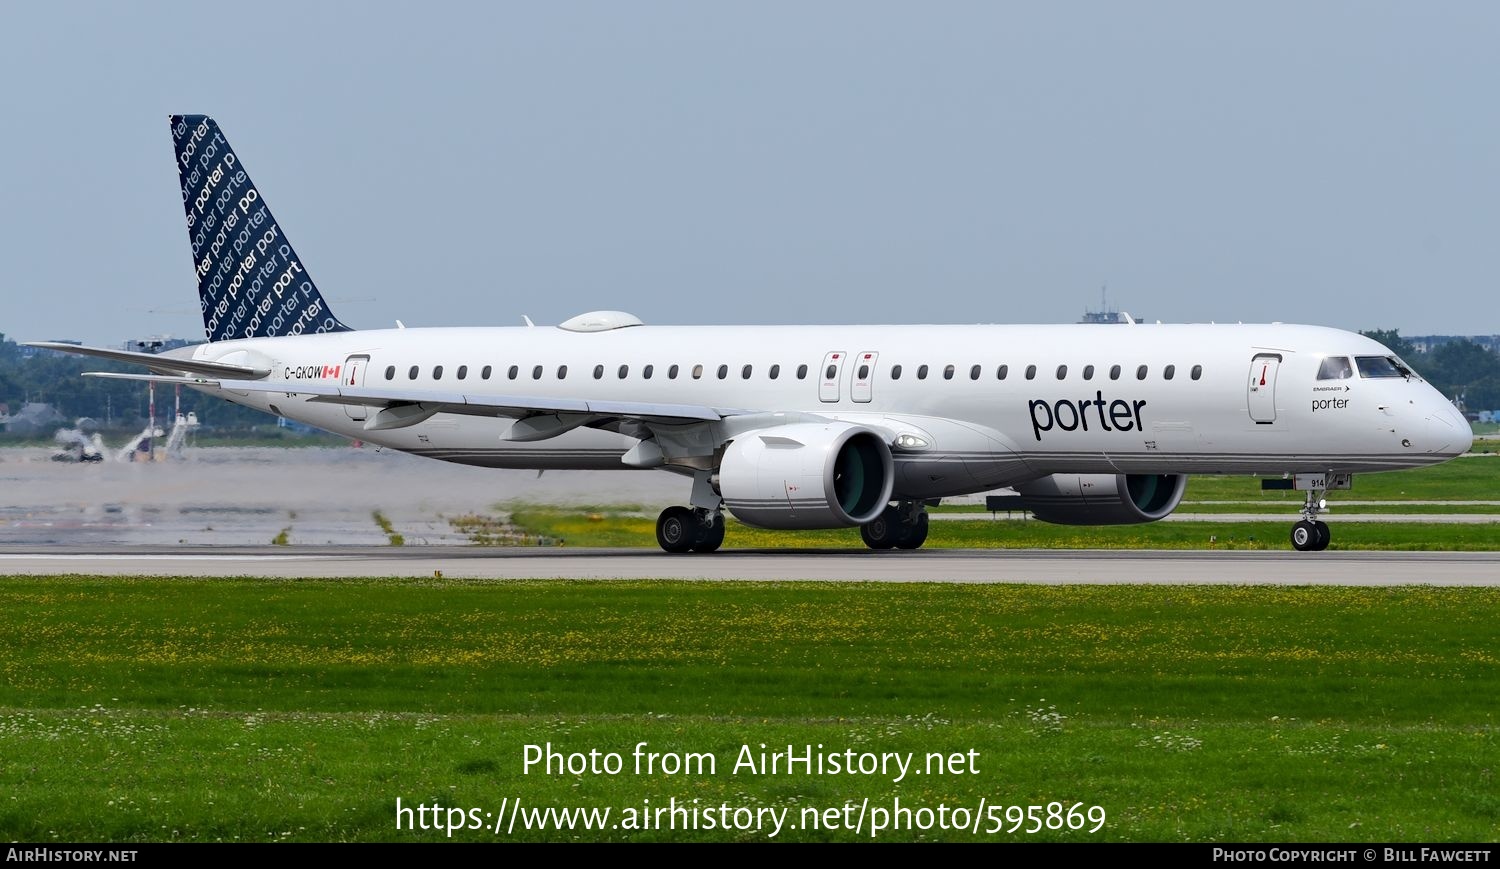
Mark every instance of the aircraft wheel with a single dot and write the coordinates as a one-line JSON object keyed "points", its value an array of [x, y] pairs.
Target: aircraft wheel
{"points": [[676, 529], [1324, 535], [709, 537], [912, 536], [1305, 536], [881, 532]]}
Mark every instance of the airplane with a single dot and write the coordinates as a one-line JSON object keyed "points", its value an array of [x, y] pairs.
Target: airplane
{"points": [[792, 427]]}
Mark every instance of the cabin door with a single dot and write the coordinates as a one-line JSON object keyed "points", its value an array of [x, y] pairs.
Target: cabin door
{"points": [[1263, 387], [353, 375]]}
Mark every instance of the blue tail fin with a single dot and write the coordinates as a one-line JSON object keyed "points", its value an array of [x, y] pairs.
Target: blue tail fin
{"points": [[251, 284]]}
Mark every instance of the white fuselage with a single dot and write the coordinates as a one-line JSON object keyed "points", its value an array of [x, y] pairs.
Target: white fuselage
{"points": [[1241, 399]]}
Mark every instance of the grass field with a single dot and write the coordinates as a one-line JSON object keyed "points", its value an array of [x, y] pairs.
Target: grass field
{"points": [[1467, 479], [1280, 508], [1470, 478], [151, 709], [606, 527]]}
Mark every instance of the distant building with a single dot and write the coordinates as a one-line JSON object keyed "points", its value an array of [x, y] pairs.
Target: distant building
{"points": [[1107, 317], [158, 343], [1107, 314], [1429, 343]]}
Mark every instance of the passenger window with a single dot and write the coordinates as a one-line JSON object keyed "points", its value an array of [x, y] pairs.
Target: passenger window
{"points": [[647, 372], [745, 373], [484, 373], [390, 372], [801, 372], [1140, 372], [624, 371], [948, 373], [1169, 372], [1031, 372], [723, 371], [895, 372], [864, 372], [921, 372], [1114, 372], [437, 372], [1002, 372], [536, 372], [775, 371], [412, 373], [1088, 372], [672, 372], [1335, 368], [562, 372], [974, 372], [1062, 372], [1197, 371], [598, 372], [514, 372], [463, 371], [831, 373]]}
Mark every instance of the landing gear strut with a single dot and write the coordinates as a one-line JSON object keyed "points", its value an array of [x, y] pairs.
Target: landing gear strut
{"points": [[680, 529], [899, 526], [1311, 535]]}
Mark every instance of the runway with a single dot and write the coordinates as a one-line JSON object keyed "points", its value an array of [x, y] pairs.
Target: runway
{"points": [[951, 566], [215, 512]]}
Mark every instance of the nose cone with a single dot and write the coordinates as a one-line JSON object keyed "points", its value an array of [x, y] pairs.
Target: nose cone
{"points": [[1450, 432]]}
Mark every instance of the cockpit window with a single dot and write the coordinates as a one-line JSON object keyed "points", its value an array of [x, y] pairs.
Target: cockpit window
{"points": [[1381, 366], [1336, 368]]}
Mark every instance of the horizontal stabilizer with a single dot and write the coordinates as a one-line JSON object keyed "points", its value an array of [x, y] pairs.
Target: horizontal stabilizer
{"points": [[158, 363]]}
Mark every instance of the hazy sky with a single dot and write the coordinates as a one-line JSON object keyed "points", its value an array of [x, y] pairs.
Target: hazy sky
{"points": [[444, 163]]}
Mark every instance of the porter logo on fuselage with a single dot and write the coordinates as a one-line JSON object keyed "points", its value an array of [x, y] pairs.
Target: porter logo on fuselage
{"points": [[1073, 415]]}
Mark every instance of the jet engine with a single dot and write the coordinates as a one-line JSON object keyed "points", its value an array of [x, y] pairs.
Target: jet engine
{"points": [[807, 475], [1103, 499]]}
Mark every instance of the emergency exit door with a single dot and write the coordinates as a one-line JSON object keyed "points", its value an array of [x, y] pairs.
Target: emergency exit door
{"points": [[831, 375], [864, 375]]}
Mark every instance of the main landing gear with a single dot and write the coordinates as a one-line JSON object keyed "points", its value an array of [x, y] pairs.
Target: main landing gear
{"points": [[684, 529], [899, 526]]}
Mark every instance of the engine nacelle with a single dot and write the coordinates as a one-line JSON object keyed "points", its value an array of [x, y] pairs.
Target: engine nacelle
{"points": [[807, 475], [1103, 499]]}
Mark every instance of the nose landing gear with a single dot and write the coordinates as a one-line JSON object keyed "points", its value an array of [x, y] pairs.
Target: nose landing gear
{"points": [[1310, 535]]}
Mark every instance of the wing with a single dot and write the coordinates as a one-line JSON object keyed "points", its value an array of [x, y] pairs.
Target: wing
{"points": [[409, 406]]}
